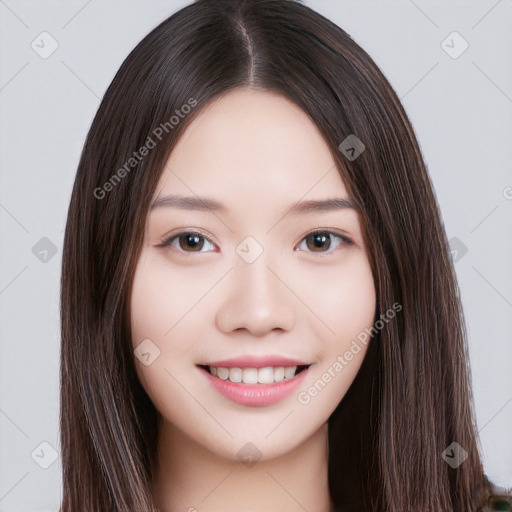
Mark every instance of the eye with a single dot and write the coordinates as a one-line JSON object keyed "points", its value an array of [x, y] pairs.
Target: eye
{"points": [[191, 239], [317, 240]]}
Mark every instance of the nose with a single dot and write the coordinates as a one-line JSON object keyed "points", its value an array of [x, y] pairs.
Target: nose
{"points": [[257, 299]]}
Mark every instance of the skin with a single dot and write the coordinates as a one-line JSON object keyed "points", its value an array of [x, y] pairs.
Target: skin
{"points": [[257, 153]]}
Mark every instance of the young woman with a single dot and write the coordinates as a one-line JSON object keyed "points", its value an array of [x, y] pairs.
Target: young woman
{"points": [[259, 309]]}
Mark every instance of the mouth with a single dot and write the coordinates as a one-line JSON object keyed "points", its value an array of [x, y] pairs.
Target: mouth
{"points": [[250, 375], [258, 385]]}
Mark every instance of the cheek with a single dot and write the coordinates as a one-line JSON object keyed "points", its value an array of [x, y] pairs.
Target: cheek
{"points": [[157, 305], [162, 301], [156, 308], [347, 306], [346, 303], [165, 304]]}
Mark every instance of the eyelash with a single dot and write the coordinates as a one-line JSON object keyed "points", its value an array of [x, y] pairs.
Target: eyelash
{"points": [[344, 240]]}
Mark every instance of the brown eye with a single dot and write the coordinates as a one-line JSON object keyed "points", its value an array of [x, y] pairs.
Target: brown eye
{"points": [[186, 241], [193, 240], [321, 241], [318, 241]]}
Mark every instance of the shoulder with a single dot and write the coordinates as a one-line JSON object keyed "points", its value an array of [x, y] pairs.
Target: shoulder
{"points": [[497, 502]]}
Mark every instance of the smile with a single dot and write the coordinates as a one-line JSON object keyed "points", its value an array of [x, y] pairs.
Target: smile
{"points": [[255, 387], [266, 375]]}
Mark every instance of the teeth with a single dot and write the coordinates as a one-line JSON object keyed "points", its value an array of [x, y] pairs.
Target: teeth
{"points": [[235, 375], [279, 374], [222, 373], [289, 372], [249, 375], [267, 375]]}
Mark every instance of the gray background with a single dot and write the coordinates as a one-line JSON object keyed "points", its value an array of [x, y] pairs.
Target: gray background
{"points": [[461, 109]]}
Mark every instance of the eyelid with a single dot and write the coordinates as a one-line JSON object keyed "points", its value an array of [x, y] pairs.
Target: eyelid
{"points": [[345, 240], [170, 238]]}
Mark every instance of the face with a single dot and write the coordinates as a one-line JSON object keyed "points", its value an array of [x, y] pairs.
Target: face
{"points": [[272, 296]]}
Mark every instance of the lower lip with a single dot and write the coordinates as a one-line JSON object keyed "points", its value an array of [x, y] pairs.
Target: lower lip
{"points": [[256, 395]]}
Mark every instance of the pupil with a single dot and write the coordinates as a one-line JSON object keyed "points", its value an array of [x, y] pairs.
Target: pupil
{"points": [[319, 239], [193, 240]]}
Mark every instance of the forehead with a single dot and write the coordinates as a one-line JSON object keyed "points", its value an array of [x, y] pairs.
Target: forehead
{"points": [[250, 148]]}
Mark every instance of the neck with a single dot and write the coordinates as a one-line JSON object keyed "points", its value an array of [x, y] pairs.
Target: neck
{"points": [[190, 478]]}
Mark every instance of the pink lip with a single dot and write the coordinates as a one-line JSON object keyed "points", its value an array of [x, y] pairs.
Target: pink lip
{"points": [[255, 395], [256, 362]]}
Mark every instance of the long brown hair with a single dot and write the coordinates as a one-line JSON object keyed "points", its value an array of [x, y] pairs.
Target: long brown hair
{"points": [[412, 396]]}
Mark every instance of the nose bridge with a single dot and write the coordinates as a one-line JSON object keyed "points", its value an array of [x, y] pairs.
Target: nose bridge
{"points": [[257, 279], [252, 264], [256, 298]]}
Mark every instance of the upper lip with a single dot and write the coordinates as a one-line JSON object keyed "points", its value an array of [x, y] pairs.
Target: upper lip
{"points": [[257, 362]]}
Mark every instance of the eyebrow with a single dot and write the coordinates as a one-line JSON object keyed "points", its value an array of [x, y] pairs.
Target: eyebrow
{"points": [[205, 204]]}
